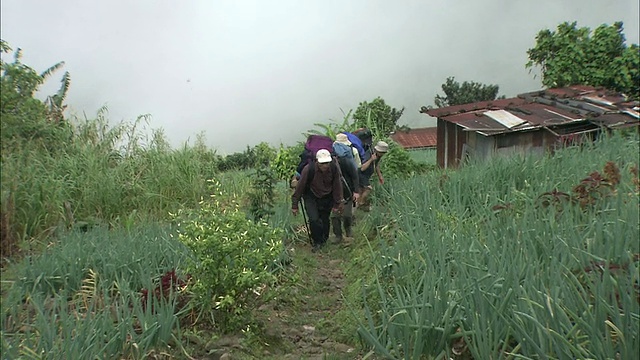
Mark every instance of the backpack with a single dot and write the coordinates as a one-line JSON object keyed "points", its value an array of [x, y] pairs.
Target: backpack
{"points": [[311, 147], [357, 143], [342, 150], [366, 137], [308, 156]]}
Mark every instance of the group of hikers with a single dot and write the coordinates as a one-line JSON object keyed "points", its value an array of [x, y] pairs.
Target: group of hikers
{"points": [[333, 183]]}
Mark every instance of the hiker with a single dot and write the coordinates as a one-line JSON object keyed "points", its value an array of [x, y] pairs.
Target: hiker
{"points": [[343, 139], [320, 188], [350, 189], [371, 165]]}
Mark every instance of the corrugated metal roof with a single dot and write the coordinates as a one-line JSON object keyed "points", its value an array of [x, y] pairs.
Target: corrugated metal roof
{"points": [[483, 105], [544, 108], [417, 138], [505, 118]]}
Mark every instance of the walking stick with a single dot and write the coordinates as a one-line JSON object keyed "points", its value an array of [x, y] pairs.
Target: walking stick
{"points": [[306, 224]]}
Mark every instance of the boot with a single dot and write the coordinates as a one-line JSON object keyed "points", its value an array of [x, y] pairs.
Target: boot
{"points": [[336, 224], [347, 227]]}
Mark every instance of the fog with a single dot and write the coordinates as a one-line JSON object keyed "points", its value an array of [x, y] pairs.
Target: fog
{"points": [[250, 71]]}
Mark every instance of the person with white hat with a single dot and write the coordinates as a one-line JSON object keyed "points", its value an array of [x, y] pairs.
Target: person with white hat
{"points": [[342, 138], [348, 160], [371, 165], [320, 187]]}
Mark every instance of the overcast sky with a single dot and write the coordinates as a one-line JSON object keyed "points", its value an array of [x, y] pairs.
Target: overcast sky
{"points": [[250, 71]]}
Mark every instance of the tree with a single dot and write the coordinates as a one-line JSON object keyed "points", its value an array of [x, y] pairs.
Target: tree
{"points": [[465, 93], [377, 116], [572, 55], [55, 103], [24, 117], [263, 154]]}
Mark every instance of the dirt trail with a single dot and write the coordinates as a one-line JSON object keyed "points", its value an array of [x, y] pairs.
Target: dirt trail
{"points": [[306, 329], [300, 325]]}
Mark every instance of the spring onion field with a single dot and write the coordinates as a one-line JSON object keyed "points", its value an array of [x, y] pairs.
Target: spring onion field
{"points": [[519, 258]]}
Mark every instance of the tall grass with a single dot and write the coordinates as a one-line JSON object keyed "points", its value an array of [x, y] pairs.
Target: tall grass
{"points": [[474, 264], [101, 174]]}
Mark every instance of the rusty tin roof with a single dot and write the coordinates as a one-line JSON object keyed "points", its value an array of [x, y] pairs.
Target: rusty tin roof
{"points": [[543, 109], [416, 138]]}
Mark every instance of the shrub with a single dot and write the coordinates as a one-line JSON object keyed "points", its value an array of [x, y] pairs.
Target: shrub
{"points": [[286, 160], [262, 195], [398, 163], [377, 116], [232, 258]]}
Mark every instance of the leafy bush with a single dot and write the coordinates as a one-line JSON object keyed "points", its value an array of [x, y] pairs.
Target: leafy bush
{"points": [[24, 117], [233, 258], [262, 195], [465, 93], [332, 128], [286, 160], [398, 163], [252, 157], [381, 118], [264, 154], [237, 161]]}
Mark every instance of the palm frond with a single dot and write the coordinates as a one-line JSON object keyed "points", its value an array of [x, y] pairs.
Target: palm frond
{"points": [[45, 74], [312, 132], [64, 88], [4, 47], [326, 129], [346, 121]]}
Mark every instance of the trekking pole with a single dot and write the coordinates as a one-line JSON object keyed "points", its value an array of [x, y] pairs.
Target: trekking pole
{"points": [[344, 182], [306, 224]]}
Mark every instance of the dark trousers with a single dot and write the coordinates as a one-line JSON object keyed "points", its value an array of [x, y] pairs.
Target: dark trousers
{"points": [[318, 210], [345, 218]]}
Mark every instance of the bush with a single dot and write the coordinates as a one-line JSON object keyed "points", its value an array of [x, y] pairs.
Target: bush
{"points": [[262, 195], [398, 163], [233, 258], [287, 159]]}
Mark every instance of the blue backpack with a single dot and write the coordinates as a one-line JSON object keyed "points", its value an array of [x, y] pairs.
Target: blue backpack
{"points": [[342, 150], [357, 143]]}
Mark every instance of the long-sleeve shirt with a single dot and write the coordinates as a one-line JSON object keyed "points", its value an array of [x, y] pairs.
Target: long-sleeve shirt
{"points": [[322, 184], [350, 174]]}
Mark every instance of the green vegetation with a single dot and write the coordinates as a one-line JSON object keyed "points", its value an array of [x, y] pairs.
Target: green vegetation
{"points": [[467, 92], [286, 160], [81, 296], [398, 163], [526, 265], [572, 55], [234, 258], [427, 156], [542, 261], [376, 115]]}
